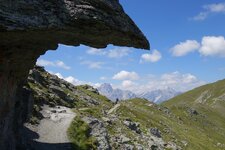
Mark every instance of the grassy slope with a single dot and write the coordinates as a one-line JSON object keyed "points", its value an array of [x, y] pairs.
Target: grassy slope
{"points": [[79, 131], [206, 129]]}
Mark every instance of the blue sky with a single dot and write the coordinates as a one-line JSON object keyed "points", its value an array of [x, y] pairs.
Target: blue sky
{"points": [[187, 49]]}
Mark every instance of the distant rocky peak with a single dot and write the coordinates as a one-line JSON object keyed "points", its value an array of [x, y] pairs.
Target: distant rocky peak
{"points": [[107, 90], [106, 87]]}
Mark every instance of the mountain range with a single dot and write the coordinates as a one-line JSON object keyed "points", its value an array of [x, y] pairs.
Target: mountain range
{"points": [[156, 96], [112, 94]]}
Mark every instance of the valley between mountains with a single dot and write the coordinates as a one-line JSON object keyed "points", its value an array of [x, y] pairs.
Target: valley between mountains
{"points": [[65, 116]]}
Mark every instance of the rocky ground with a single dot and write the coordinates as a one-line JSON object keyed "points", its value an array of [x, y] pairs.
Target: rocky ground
{"points": [[52, 129], [113, 132]]}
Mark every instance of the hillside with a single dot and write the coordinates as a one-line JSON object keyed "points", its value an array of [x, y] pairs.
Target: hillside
{"points": [[181, 123], [202, 110]]}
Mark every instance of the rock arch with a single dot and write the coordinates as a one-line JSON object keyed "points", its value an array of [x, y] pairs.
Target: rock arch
{"points": [[28, 28]]}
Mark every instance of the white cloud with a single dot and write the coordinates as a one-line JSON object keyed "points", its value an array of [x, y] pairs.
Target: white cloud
{"points": [[69, 79], [184, 48], [175, 80], [127, 84], [59, 75], [73, 80], [210, 46], [118, 52], [210, 9], [103, 78], [217, 8], [93, 64], [95, 51], [154, 57], [213, 46], [59, 64], [201, 16], [42, 62], [125, 75], [178, 81]]}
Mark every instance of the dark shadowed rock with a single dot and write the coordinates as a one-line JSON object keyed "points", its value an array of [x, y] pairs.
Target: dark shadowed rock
{"points": [[192, 111], [29, 28], [155, 132], [132, 125]]}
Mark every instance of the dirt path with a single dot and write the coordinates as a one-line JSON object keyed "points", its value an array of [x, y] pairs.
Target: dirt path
{"points": [[52, 130], [114, 108]]}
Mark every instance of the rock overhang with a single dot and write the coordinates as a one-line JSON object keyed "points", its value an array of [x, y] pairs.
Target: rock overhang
{"points": [[28, 28], [95, 23]]}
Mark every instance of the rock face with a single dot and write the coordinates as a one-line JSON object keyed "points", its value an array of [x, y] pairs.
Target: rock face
{"points": [[99, 132], [29, 28]]}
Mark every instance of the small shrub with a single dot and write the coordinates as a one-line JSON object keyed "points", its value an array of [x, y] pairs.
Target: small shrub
{"points": [[79, 134]]}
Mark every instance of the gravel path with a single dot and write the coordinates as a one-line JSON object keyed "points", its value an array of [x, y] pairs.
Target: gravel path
{"points": [[52, 130], [114, 108]]}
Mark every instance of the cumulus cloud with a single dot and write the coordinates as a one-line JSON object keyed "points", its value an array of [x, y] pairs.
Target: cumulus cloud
{"points": [[183, 48], [210, 46], [127, 84], [95, 51], [126, 75], [210, 9], [59, 64], [176, 80], [59, 75], [217, 8], [93, 64], [153, 57], [73, 80], [118, 52], [213, 46], [70, 79], [103, 78]]}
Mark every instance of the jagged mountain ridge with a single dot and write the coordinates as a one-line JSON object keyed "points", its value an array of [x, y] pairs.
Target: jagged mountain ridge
{"points": [[107, 90], [156, 96], [160, 95]]}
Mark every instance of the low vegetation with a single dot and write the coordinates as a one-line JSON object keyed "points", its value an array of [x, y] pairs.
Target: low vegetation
{"points": [[79, 134]]}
